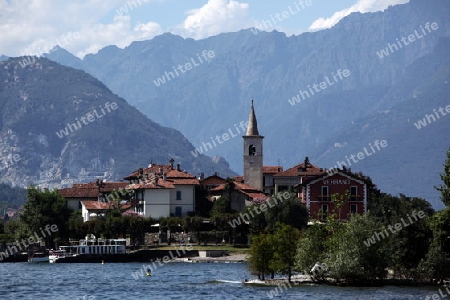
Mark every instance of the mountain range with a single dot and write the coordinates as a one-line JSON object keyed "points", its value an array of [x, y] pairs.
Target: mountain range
{"points": [[59, 126], [329, 95]]}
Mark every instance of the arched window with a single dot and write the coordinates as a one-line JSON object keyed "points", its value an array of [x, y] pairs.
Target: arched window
{"points": [[252, 150]]}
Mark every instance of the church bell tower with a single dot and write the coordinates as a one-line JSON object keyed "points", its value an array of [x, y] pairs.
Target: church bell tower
{"points": [[253, 153]]}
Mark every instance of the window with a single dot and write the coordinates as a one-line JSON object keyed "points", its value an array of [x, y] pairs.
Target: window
{"points": [[178, 195], [325, 193], [252, 150], [353, 193], [353, 208], [178, 211]]}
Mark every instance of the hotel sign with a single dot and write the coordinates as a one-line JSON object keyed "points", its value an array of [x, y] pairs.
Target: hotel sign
{"points": [[336, 181]]}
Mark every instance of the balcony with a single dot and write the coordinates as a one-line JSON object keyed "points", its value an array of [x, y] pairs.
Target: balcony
{"points": [[324, 198], [355, 198]]}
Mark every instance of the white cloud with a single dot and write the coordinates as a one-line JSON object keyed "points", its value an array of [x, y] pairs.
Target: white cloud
{"points": [[362, 6], [34, 27], [119, 33], [215, 17]]}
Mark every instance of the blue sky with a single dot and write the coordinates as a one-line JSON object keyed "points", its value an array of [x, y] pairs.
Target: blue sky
{"points": [[32, 27]]}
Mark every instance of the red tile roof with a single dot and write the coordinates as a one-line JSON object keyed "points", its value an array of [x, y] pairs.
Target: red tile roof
{"points": [[299, 170], [257, 196], [179, 174], [149, 184], [172, 175], [97, 205], [79, 192], [212, 180], [159, 169], [184, 181], [238, 186], [91, 190]]}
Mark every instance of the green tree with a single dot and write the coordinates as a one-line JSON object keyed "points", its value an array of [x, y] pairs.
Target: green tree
{"points": [[289, 211], [45, 207], [203, 205], [16, 229], [195, 224], [350, 258], [221, 206], [222, 215], [409, 246], [444, 188], [435, 267], [261, 253], [75, 222], [257, 222], [285, 239], [311, 247], [339, 201]]}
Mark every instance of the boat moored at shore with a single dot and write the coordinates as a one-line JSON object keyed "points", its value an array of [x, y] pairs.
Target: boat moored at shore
{"points": [[38, 256], [89, 249]]}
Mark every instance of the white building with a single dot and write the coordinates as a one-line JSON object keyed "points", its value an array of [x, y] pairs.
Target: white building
{"points": [[162, 191]]}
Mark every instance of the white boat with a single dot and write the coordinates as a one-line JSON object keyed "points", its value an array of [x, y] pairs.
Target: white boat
{"points": [[88, 249], [254, 281], [38, 256], [57, 254]]}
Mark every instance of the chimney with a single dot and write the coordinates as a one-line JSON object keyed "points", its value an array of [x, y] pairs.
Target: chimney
{"points": [[306, 162], [156, 180], [160, 170], [216, 174], [178, 167], [202, 176], [164, 177], [171, 160]]}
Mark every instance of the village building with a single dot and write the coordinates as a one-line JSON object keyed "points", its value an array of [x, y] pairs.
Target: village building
{"points": [[286, 180], [241, 195], [98, 191], [211, 182], [316, 193], [268, 179], [91, 209], [162, 191]]}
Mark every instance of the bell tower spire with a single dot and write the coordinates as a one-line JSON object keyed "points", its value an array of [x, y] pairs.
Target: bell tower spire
{"points": [[253, 153], [252, 128]]}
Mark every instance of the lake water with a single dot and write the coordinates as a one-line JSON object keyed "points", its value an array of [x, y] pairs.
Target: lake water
{"points": [[170, 281]]}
